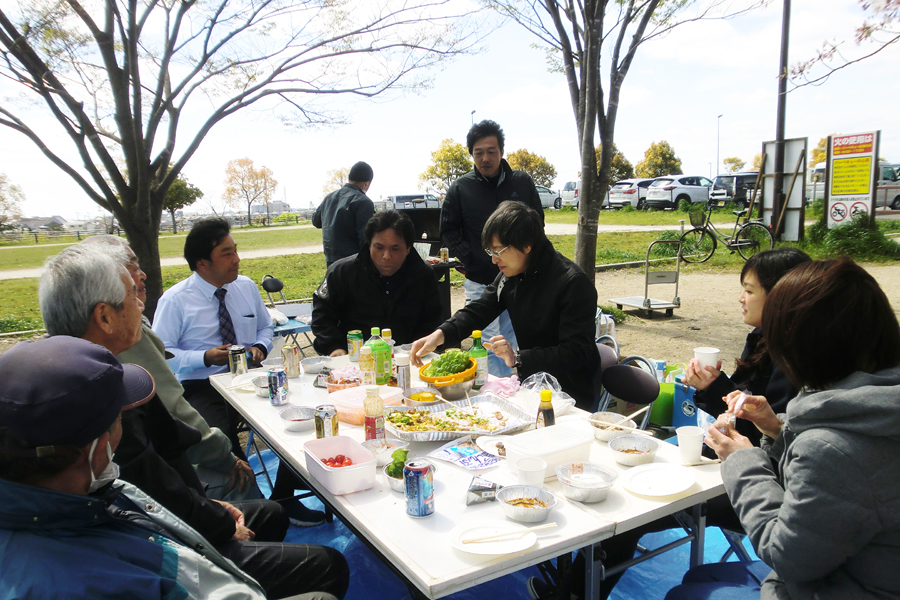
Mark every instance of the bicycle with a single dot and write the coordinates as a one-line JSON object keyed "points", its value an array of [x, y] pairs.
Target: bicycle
{"points": [[699, 243]]}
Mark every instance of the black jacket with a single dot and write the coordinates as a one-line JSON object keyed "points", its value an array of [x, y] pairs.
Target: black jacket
{"points": [[342, 217], [151, 457], [469, 202], [767, 380], [354, 295], [552, 307]]}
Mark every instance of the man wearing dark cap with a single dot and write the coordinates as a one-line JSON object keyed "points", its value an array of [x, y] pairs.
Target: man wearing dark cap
{"points": [[343, 214], [68, 527]]}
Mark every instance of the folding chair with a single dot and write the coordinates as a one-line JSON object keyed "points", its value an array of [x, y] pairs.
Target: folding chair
{"points": [[273, 285], [609, 356], [630, 384]]}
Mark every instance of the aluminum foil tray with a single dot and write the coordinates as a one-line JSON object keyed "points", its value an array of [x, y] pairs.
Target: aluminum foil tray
{"points": [[518, 420]]}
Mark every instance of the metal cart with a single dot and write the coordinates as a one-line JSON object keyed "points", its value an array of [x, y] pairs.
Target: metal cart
{"points": [[655, 278]]}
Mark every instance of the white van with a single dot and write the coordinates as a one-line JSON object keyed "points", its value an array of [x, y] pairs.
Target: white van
{"points": [[571, 194]]}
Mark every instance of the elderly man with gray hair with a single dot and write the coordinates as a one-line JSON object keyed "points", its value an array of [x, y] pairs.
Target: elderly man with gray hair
{"points": [[86, 291], [227, 477]]}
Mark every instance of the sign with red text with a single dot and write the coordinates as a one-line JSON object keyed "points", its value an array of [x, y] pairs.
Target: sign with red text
{"points": [[852, 164]]}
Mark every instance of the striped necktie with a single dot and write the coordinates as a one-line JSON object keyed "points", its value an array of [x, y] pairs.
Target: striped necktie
{"points": [[226, 327]]}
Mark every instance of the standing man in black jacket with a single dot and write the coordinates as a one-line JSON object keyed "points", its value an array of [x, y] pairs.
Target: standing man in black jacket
{"points": [[343, 214], [470, 200], [385, 285]]}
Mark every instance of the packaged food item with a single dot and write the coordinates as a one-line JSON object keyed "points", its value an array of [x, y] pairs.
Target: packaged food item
{"points": [[481, 490], [466, 454]]}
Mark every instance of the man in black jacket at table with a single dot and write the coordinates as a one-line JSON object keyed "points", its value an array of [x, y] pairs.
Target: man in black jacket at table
{"points": [[386, 285]]}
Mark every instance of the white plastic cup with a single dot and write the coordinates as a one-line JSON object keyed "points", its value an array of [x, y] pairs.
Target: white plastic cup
{"points": [[690, 443], [531, 471], [708, 357]]}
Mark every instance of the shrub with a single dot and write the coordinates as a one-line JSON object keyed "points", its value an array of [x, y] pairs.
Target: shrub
{"points": [[617, 315], [684, 205], [854, 239]]}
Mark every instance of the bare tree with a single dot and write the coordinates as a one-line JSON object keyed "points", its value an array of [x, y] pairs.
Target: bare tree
{"points": [[120, 77], [575, 33], [247, 185]]}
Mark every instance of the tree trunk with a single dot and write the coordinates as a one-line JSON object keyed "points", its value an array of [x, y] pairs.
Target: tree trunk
{"points": [[174, 226], [146, 246]]}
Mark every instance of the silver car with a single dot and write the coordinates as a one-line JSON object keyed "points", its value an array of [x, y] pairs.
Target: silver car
{"points": [[629, 191], [549, 198], [668, 191]]}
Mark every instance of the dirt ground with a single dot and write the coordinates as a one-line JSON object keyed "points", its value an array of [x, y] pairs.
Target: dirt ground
{"points": [[709, 313]]}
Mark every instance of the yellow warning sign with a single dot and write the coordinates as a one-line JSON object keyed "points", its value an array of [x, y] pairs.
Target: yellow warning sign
{"points": [[851, 176]]}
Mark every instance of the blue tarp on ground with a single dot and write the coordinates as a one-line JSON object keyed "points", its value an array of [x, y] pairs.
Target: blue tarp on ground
{"points": [[371, 579]]}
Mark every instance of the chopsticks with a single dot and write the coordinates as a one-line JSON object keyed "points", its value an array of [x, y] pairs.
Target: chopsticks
{"points": [[509, 533], [622, 427], [455, 406], [619, 424], [244, 386]]}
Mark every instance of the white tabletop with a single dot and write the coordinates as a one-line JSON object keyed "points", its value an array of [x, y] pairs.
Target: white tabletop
{"points": [[419, 548]]}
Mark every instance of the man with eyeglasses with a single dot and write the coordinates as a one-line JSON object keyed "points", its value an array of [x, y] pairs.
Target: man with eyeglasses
{"points": [[470, 200]]}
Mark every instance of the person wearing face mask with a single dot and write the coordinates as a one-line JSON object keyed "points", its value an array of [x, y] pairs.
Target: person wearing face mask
{"points": [[67, 526], [343, 214], [86, 292]]}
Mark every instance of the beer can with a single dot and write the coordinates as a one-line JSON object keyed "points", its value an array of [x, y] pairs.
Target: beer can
{"points": [[237, 360], [354, 343], [278, 386], [326, 421], [291, 355], [418, 478], [445, 255]]}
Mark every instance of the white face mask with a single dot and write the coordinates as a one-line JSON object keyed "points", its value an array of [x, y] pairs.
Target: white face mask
{"points": [[110, 473]]}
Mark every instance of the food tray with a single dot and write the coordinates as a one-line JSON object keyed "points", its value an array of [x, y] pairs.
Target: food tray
{"points": [[518, 420]]}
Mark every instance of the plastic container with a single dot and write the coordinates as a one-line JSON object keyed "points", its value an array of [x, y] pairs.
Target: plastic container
{"points": [[349, 402], [556, 445], [342, 480], [453, 387]]}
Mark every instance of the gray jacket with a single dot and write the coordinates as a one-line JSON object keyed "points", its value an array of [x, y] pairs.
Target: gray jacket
{"points": [[828, 521]]}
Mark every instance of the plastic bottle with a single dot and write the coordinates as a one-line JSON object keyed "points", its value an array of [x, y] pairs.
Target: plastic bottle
{"points": [[382, 353], [480, 354], [545, 416], [389, 340], [373, 405], [366, 366], [403, 374]]}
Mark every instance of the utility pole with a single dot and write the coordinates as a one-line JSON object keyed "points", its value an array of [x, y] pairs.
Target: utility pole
{"points": [[718, 122]]}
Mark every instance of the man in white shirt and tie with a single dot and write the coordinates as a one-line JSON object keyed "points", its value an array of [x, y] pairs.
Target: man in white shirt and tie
{"points": [[199, 318]]}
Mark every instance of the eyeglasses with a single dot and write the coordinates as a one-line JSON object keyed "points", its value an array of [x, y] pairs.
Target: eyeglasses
{"points": [[497, 253]]}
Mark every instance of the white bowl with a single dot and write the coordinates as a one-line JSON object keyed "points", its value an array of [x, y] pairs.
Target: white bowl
{"points": [[585, 482], [261, 385], [604, 435], [314, 364], [382, 449], [298, 418], [273, 361], [646, 446], [525, 514]]}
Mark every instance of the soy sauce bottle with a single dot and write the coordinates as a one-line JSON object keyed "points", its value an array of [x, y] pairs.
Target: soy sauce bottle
{"points": [[545, 416]]}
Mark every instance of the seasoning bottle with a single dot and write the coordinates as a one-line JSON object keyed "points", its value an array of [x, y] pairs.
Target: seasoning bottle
{"points": [[373, 406], [480, 354], [382, 353], [366, 366], [403, 375], [545, 416]]}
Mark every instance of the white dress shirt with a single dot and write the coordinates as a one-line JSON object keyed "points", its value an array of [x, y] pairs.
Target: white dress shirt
{"points": [[187, 321]]}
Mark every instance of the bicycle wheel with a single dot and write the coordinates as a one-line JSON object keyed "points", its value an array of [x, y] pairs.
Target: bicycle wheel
{"points": [[752, 238], [697, 245]]}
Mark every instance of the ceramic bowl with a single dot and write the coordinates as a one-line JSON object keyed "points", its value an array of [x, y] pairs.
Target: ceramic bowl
{"points": [[604, 435], [584, 481], [633, 450], [525, 514], [298, 418]]}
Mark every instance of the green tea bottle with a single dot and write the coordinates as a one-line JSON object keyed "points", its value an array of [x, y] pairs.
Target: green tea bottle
{"points": [[480, 354], [382, 352]]}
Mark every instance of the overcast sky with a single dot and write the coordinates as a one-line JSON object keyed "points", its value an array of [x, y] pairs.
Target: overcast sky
{"points": [[675, 91]]}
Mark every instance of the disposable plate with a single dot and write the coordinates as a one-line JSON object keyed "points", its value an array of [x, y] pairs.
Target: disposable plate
{"points": [[488, 443], [507, 545], [658, 479]]}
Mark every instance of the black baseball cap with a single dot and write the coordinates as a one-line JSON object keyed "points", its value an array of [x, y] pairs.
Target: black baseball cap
{"points": [[66, 391]]}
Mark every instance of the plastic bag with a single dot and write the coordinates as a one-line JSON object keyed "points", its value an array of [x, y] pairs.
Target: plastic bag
{"points": [[530, 390], [505, 387]]}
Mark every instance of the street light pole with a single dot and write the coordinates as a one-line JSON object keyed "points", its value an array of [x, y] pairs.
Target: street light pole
{"points": [[473, 117], [718, 123]]}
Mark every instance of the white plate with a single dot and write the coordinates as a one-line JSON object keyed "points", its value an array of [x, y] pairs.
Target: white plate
{"points": [[488, 443], [247, 379], [507, 545], [658, 479]]}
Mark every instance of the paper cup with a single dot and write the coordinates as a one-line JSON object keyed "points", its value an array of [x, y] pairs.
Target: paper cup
{"points": [[531, 471], [708, 357], [690, 443]]}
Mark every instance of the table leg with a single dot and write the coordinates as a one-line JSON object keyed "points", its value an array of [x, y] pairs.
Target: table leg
{"points": [[699, 515]]}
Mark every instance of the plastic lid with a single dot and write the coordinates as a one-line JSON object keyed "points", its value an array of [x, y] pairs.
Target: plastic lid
{"points": [[372, 390], [365, 350], [546, 396], [476, 333], [386, 333], [401, 359], [376, 331]]}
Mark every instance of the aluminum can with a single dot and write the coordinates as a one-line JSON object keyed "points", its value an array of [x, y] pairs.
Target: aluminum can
{"points": [[278, 386], [326, 421], [354, 343], [237, 360], [418, 477], [445, 255], [291, 355]]}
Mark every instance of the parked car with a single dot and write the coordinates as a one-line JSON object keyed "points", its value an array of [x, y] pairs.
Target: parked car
{"points": [[668, 191], [570, 195], [549, 198], [418, 200], [734, 187], [629, 191]]}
